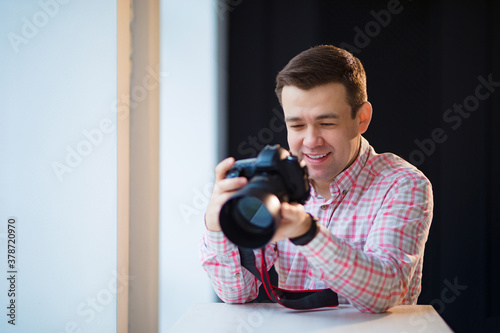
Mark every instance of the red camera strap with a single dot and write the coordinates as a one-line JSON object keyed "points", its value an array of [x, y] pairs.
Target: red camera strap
{"points": [[293, 299]]}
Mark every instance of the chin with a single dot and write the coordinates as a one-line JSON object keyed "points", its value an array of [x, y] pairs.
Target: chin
{"points": [[322, 176]]}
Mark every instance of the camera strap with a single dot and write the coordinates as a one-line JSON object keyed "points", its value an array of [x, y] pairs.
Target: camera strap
{"points": [[293, 299]]}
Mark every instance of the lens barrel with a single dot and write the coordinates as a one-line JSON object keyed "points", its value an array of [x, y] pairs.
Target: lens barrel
{"points": [[249, 219]]}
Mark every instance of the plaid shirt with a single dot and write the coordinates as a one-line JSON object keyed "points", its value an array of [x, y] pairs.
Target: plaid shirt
{"points": [[370, 244]]}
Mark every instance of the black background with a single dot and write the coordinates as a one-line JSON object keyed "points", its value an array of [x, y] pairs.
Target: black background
{"points": [[421, 63]]}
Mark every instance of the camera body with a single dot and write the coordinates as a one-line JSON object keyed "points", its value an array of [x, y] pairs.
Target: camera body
{"points": [[250, 217]]}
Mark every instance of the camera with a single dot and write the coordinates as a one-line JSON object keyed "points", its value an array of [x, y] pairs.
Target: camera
{"points": [[251, 216]]}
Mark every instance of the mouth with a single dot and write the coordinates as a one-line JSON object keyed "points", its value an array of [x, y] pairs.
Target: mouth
{"points": [[316, 158]]}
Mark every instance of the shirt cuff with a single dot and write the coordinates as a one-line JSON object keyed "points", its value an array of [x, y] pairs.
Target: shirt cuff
{"points": [[217, 242]]}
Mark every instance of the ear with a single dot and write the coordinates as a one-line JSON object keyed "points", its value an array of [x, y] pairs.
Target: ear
{"points": [[364, 117]]}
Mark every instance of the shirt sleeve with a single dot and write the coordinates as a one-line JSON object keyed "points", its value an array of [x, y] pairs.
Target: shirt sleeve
{"points": [[377, 276], [221, 260]]}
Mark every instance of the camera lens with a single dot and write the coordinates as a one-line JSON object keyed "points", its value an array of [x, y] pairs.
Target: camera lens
{"points": [[249, 218], [255, 212]]}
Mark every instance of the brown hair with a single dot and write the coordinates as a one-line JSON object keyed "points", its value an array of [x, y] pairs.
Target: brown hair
{"points": [[325, 64]]}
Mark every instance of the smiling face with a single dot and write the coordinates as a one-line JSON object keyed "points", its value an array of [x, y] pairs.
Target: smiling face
{"points": [[321, 130]]}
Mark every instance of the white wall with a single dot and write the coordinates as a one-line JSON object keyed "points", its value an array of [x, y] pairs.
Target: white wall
{"points": [[58, 176], [188, 149]]}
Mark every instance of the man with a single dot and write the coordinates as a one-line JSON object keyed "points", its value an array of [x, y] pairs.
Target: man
{"points": [[373, 210]]}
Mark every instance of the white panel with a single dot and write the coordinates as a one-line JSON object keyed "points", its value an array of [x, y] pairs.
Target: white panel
{"points": [[187, 150], [58, 164]]}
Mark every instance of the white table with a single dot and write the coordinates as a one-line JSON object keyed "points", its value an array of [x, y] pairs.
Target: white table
{"points": [[266, 317]]}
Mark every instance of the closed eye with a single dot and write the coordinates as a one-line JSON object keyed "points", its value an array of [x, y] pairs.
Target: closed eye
{"points": [[296, 126]]}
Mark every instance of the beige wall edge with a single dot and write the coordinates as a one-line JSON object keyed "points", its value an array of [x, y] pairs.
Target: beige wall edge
{"points": [[144, 167]]}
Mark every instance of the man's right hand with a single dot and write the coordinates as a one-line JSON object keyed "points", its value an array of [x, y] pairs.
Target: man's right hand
{"points": [[223, 190]]}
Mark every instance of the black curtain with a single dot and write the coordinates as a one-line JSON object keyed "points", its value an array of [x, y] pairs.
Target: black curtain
{"points": [[434, 83]]}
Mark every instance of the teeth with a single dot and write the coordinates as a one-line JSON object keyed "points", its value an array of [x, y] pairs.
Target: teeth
{"points": [[316, 157]]}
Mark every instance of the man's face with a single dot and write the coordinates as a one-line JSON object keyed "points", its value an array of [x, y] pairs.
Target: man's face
{"points": [[321, 130]]}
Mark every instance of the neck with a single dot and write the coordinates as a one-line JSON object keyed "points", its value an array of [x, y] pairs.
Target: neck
{"points": [[355, 155], [322, 188]]}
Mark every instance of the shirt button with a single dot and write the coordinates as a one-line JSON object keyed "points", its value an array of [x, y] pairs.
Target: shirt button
{"points": [[237, 275], [324, 207], [344, 192]]}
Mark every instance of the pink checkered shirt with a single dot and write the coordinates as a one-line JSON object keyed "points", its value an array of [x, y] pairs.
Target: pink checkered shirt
{"points": [[370, 244]]}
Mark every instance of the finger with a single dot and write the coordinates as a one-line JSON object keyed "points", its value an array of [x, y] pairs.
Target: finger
{"points": [[290, 210], [222, 168], [231, 184]]}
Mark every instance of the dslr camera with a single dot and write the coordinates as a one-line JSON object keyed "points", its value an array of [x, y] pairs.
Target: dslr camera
{"points": [[251, 216]]}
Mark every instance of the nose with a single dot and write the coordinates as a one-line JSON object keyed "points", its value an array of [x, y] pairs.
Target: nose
{"points": [[313, 138]]}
